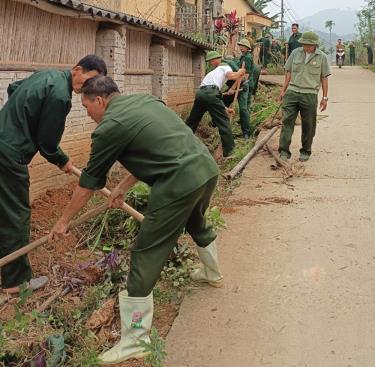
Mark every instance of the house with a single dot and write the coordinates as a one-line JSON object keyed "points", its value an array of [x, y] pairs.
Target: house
{"points": [[160, 12], [141, 57], [252, 20]]}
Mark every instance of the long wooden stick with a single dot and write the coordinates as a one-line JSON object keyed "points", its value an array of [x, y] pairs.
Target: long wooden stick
{"points": [[127, 208], [238, 81], [41, 241], [245, 160], [238, 86], [59, 293]]}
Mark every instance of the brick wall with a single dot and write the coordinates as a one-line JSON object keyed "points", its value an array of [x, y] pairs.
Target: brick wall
{"points": [[159, 64], [181, 92], [137, 84]]}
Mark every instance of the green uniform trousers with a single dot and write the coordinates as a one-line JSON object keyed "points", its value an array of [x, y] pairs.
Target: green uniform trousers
{"points": [[14, 215], [243, 98], [160, 231], [254, 82], [306, 105], [352, 59], [210, 99]]}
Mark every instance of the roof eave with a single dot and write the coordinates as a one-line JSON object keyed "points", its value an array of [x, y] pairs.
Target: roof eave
{"points": [[101, 15]]}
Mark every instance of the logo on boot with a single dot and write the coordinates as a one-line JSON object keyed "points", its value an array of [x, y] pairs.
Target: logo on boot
{"points": [[136, 320]]}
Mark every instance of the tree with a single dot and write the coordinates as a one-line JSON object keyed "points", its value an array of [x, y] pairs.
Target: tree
{"points": [[366, 23], [329, 24], [261, 5]]}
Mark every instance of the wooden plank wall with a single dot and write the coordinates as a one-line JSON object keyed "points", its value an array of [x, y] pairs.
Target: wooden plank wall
{"points": [[30, 35], [137, 55], [180, 60]]}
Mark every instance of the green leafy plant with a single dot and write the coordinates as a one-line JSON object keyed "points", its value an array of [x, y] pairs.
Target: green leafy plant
{"points": [[177, 271], [156, 348], [215, 218]]}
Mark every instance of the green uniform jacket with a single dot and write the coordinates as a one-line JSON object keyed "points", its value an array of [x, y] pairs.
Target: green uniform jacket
{"points": [[249, 63], [306, 77], [247, 58], [152, 143], [33, 119], [233, 65], [293, 42]]}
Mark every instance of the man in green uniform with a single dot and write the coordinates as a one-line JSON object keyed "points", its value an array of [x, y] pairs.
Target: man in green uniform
{"points": [[243, 96], [276, 52], [307, 69], [209, 98], [265, 50], [32, 120], [352, 53], [156, 147], [370, 54], [293, 42], [254, 81]]}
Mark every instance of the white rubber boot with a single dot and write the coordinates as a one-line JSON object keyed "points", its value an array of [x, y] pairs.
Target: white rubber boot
{"points": [[208, 271], [136, 320]]}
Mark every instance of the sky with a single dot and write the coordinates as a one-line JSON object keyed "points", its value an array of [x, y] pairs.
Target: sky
{"points": [[299, 9]]}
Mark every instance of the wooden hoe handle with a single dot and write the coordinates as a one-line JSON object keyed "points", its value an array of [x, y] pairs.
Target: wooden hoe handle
{"points": [[127, 208], [41, 241], [85, 217]]}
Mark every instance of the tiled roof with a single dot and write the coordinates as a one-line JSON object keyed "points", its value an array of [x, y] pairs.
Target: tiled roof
{"points": [[128, 19]]}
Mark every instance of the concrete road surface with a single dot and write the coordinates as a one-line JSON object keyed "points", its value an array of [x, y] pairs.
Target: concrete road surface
{"points": [[298, 256]]}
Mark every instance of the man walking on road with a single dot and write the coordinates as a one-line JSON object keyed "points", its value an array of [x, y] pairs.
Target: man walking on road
{"points": [[294, 39], [156, 147], [32, 120], [307, 69], [352, 53], [209, 98]]}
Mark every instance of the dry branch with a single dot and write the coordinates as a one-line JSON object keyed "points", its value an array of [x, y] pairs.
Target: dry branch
{"points": [[242, 164], [59, 293], [287, 170]]}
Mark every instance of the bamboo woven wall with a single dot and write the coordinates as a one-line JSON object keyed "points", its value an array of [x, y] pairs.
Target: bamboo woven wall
{"points": [[137, 53], [180, 60], [29, 35]]}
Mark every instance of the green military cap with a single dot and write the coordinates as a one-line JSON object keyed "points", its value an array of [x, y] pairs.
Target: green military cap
{"points": [[211, 55], [244, 42], [309, 38]]}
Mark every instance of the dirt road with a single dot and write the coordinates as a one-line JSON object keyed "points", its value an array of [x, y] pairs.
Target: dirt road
{"points": [[299, 266]]}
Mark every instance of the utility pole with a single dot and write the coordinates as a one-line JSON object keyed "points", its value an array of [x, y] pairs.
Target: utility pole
{"points": [[282, 21]]}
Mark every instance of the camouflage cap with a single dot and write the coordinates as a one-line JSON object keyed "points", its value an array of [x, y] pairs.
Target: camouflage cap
{"points": [[244, 42], [211, 55], [309, 38]]}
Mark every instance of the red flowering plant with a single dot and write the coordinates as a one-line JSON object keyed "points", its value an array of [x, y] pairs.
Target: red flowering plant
{"points": [[232, 25], [225, 29], [232, 22], [220, 39]]}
